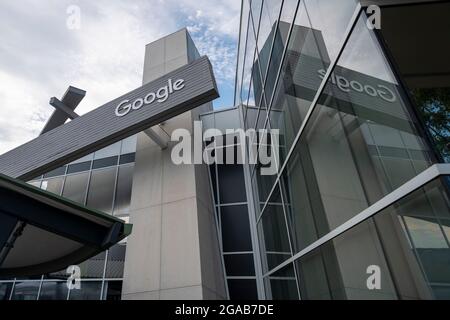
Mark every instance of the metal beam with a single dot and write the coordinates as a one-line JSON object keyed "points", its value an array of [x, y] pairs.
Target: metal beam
{"points": [[58, 105], [71, 99], [161, 138]]}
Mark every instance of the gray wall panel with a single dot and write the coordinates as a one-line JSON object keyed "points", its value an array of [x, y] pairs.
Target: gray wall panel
{"points": [[101, 127]]}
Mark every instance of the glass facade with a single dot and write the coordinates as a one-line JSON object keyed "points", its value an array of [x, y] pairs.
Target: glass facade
{"points": [[102, 181], [232, 208], [349, 139], [353, 211]]}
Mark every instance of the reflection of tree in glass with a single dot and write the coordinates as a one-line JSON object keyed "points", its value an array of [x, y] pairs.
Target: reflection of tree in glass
{"points": [[434, 106]]}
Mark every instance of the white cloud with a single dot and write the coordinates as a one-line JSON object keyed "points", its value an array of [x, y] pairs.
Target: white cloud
{"points": [[40, 56]]}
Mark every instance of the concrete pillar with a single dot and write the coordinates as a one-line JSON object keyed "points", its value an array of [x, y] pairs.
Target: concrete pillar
{"points": [[173, 252]]}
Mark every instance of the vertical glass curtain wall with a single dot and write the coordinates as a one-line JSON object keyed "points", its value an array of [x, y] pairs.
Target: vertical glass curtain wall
{"points": [[348, 140], [102, 181], [232, 210]]}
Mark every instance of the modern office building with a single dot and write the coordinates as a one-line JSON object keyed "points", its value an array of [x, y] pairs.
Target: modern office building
{"points": [[359, 207]]}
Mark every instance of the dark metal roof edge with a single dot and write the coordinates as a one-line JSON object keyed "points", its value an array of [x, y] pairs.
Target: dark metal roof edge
{"points": [[64, 201]]}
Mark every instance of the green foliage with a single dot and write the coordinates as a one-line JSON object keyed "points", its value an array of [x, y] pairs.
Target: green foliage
{"points": [[434, 106]]}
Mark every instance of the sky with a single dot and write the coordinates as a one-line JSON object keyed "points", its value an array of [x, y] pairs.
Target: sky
{"points": [[43, 50]]}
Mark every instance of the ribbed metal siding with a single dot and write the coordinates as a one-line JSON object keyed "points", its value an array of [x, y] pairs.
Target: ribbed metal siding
{"points": [[102, 127]]}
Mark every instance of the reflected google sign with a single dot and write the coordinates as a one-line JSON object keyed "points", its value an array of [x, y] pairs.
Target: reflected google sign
{"points": [[345, 85], [161, 95]]}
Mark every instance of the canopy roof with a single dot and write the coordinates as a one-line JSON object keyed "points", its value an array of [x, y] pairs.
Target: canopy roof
{"points": [[41, 232]]}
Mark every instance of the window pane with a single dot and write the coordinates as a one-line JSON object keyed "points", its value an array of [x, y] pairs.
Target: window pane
{"points": [[332, 30], [269, 17], [235, 229], [231, 183], [53, 290], [105, 162], [53, 185], [26, 290], [279, 43], [127, 158], [109, 151], [239, 264], [129, 145], [94, 267], [57, 172], [5, 290], [116, 259], [75, 187], [35, 183], [90, 290], [78, 167], [113, 290], [272, 232], [123, 192], [242, 41], [101, 189], [282, 284], [339, 269], [242, 289]]}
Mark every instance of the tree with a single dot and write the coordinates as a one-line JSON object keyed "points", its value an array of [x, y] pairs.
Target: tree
{"points": [[434, 107]]}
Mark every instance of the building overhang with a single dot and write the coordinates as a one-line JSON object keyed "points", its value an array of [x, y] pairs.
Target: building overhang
{"points": [[178, 91], [41, 232]]}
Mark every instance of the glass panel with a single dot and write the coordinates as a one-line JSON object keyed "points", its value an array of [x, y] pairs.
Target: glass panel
{"points": [[26, 290], [239, 264], [123, 192], [227, 120], [90, 290], [235, 228], [299, 80], [109, 151], [282, 284], [242, 289], [357, 145], [53, 290], [35, 183], [53, 185], [75, 187], [340, 269], [424, 217], [255, 7], [101, 189], [113, 290], [5, 290], [332, 30], [127, 158], [129, 145], [105, 162], [231, 183], [116, 259], [269, 17], [94, 267], [212, 170], [241, 54], [78, 167], [279, 43], [273, 235], [57, 172], [248, 63], [87, 158]]}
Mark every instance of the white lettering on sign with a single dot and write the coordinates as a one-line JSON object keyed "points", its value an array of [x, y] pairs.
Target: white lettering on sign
{"points": [[161, 95], [345, 85]]}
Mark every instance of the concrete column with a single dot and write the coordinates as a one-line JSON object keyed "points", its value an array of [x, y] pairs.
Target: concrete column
{"points": [[173, 252]]}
